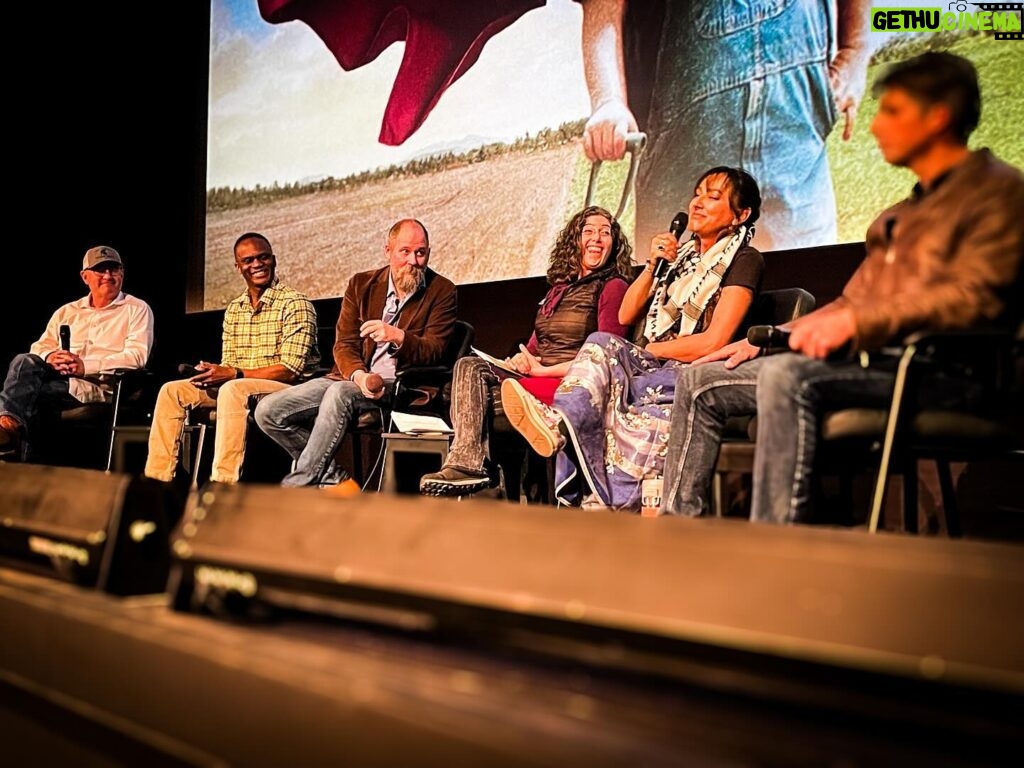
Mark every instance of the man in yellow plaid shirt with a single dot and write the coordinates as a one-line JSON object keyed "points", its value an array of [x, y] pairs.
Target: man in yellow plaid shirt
{"points": [[268, 343]]}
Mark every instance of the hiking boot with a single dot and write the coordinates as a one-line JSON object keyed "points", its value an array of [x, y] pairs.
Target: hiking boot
{"points": [[540, 424], [449, 481]]}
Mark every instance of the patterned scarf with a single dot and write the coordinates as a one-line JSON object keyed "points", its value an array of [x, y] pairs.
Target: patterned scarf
{"points": [[690, 284]]}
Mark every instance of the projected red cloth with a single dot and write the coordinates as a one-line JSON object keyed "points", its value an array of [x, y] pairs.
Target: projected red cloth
{"points": [[443, 39]]}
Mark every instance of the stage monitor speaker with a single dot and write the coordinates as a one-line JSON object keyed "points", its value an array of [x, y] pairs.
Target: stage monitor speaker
{"points": [[640, 593], [96, 529]]}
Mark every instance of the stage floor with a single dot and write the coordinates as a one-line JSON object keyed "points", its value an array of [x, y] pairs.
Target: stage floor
{"points": [[127, 681]]}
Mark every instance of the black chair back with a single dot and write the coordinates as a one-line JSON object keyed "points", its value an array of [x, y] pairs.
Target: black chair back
{"points": [[460, 343], [777, 307], [426, 387]]}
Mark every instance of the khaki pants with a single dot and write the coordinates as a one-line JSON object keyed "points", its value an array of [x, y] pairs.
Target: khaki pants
{"points": [[172, 404]]}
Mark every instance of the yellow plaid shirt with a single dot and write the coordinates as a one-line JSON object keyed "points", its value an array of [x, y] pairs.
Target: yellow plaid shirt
{"points": [[280, 329]]}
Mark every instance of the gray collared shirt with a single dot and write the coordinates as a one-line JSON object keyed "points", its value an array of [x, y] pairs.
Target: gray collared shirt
{"points": [[384, 356]]}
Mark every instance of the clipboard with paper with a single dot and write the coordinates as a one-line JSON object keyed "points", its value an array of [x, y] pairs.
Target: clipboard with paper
{"points": [[502, 368]]}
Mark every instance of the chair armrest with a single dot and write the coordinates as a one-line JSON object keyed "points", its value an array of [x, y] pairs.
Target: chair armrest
{"points": [[133, 378], [965, 351], [954, 333], [953, 345], [426, 374], [106, 377], [422, 387], [955, 340], [971, 370]]}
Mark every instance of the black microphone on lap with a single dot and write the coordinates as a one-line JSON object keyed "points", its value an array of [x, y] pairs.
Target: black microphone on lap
{"points": [[772, 339], [768, 337], [677, 227], [65, 338]]}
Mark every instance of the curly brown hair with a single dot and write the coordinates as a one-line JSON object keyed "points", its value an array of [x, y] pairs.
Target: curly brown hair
{"points": [[565, 260]]}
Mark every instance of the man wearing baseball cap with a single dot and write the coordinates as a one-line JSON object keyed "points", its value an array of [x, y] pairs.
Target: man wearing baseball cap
{"points": [[105, 330]]}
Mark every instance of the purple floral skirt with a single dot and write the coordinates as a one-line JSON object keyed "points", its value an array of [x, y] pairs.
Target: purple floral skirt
{"points": [[616, 402]]}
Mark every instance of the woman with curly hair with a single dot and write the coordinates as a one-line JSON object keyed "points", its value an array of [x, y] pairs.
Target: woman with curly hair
{"points": [[610, 416], [588, 270]]}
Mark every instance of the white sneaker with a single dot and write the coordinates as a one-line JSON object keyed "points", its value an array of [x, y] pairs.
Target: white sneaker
{"points": [[535, 421]]}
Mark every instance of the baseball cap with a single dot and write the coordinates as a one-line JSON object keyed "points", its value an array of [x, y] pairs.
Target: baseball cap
{"points": [[101, 254]]}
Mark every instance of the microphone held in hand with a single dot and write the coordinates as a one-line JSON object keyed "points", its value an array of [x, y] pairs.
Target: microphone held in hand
{"points": [[772, 339], [374, 383], [65, 338], [187, 370], [677, 227], [768, 337]]}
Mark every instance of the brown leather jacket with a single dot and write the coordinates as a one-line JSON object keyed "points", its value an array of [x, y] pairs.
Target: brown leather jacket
{"points": [[946, 257], [428, 319]]}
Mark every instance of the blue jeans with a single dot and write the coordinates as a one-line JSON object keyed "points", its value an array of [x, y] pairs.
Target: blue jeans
{"points": [[793, 394], [31, 386], [789, 393], [309, 421], [743, 84], [706, 396]]}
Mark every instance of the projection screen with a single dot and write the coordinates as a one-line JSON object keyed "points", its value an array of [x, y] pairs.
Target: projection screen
{"points": [[331, 119]]}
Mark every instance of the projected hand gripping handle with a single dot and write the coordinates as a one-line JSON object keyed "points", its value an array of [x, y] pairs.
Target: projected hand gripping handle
{"points": [[635, 143]]}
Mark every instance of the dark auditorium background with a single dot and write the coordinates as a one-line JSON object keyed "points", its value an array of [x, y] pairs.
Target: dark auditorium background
{"points": [[108, 151]]}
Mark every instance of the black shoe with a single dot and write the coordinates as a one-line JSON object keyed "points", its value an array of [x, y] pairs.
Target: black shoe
{"points": [[450, 481]]}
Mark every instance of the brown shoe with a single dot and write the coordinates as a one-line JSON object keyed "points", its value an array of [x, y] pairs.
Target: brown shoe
{"points": [[450, 481], [346, 489]]}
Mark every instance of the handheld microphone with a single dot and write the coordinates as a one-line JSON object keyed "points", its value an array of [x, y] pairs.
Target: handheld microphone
{"points": [[65, 338], [772, 339], [187, 370], [677, 227], [375, 382], [768, 337]]}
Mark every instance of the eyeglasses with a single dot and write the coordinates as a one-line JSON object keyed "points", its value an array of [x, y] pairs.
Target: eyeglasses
{"points": [[263, 258], [111, 268]]}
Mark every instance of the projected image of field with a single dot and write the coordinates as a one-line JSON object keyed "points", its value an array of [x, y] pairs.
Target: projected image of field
{"points": [[865, 184], [492, 220], [495, 166]]}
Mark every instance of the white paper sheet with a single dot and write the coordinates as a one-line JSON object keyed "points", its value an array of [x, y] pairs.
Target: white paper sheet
{"points": [[418, 424]]}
